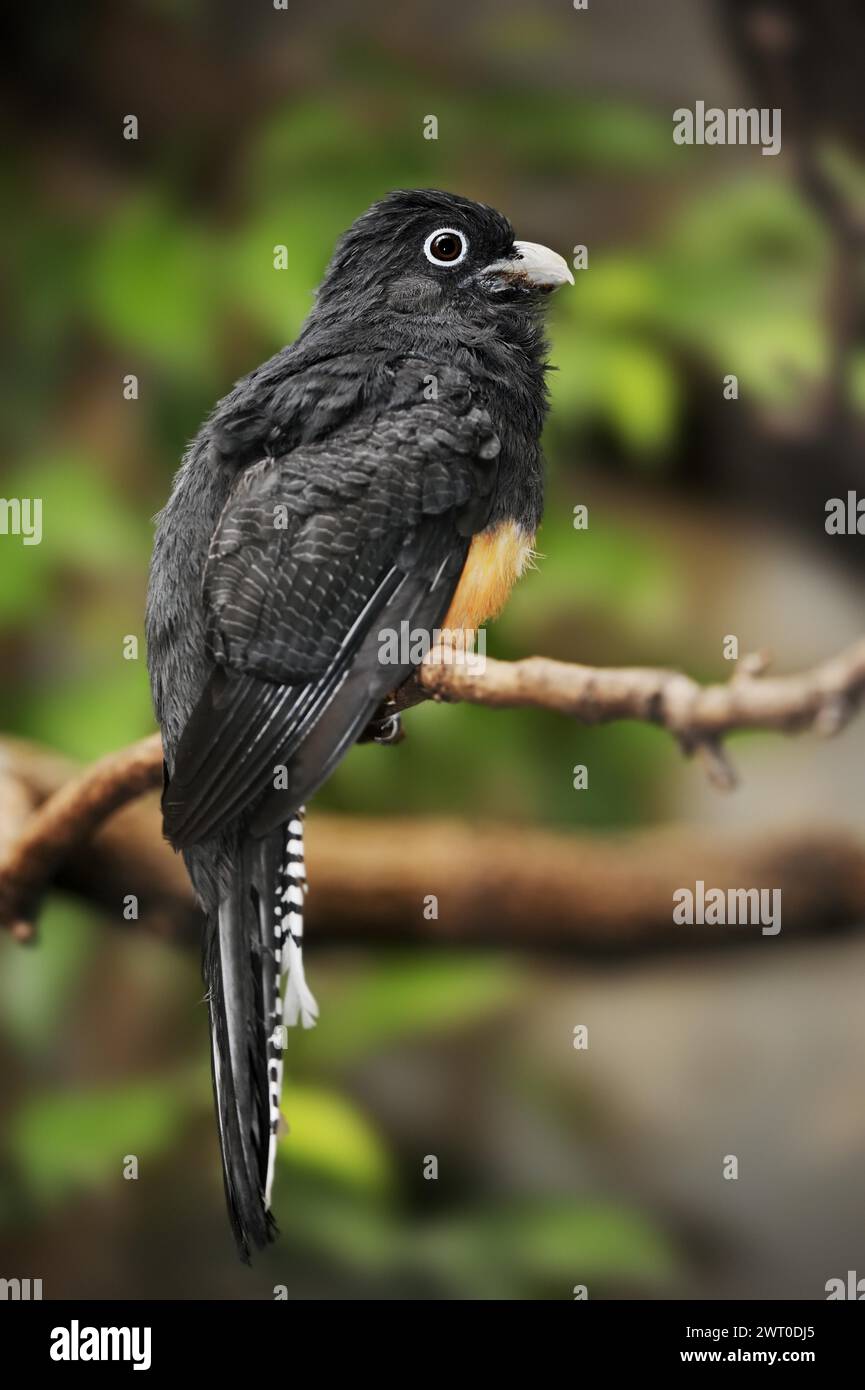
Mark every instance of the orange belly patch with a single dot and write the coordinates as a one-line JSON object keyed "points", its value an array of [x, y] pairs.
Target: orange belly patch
{"points": [[496, 559]]}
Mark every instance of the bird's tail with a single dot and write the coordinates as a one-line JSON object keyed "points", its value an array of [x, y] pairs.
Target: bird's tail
{"points": [[253, 967]]}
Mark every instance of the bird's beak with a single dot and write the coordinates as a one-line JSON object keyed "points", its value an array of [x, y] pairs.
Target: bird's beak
{"points": [[533, 267]]}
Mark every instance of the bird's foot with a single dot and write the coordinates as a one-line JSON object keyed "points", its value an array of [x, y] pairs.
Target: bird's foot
{"points": [[384, 729]]}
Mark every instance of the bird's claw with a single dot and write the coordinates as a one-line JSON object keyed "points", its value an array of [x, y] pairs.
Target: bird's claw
{"points": [[385, 729]]}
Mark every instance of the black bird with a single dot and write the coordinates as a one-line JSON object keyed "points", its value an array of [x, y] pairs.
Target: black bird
{"points": [[383, 469]]}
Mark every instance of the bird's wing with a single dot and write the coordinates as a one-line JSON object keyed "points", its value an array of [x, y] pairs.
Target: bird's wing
{"points": [[315, 555]]}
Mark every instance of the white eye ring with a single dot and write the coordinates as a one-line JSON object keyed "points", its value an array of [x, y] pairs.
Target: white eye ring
{"points": [[442, 231]]}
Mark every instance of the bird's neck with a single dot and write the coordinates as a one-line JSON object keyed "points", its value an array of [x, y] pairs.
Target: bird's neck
{"points": [[505, 351]]}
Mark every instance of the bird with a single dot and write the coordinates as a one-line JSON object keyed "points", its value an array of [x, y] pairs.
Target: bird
{"points": [[384, 468]]}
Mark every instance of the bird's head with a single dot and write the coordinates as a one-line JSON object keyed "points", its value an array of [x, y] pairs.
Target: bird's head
{"points": [[433, 255]]}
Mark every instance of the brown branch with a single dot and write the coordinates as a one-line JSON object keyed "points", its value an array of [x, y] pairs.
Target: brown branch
{"points": [[541, 890], [67, 820], [699, 717], [495, 885]]}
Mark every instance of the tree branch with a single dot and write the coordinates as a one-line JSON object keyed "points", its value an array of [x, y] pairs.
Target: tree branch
{"points": [[72, 808], [698, 716], [66, 820], [494, 885]]}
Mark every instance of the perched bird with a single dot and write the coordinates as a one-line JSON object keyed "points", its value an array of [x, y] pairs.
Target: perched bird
{"points": [[383, 469]]}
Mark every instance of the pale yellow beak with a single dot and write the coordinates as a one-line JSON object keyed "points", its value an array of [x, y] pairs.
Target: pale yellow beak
{"points": [[534, 265]]}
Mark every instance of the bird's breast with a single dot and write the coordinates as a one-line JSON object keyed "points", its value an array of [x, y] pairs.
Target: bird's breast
{"points": [[496, 559]]}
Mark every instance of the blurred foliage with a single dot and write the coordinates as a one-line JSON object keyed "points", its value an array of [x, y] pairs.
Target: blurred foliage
{"points": [[342, 1195], [62, 1143]]}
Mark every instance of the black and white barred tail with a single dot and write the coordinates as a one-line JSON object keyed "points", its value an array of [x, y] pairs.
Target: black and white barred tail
{"points": [[253, 966], [293, 1000]]}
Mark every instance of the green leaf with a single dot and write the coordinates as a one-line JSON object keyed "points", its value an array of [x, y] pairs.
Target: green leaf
{"points": [[640, 396], [406, 996], [277, 300], [547, 1246], [105, 706], [353, 1229], [330, 1136], [155, 284], [37, 982], [64, 1143], [532, 1249], [25, 578], [85, 521]]}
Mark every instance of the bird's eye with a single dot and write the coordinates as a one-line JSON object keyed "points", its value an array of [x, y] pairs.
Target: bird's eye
{"points": [[446, 247]]}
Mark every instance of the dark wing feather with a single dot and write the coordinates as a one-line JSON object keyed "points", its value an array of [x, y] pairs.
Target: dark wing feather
{"points": [[315, 553]]}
